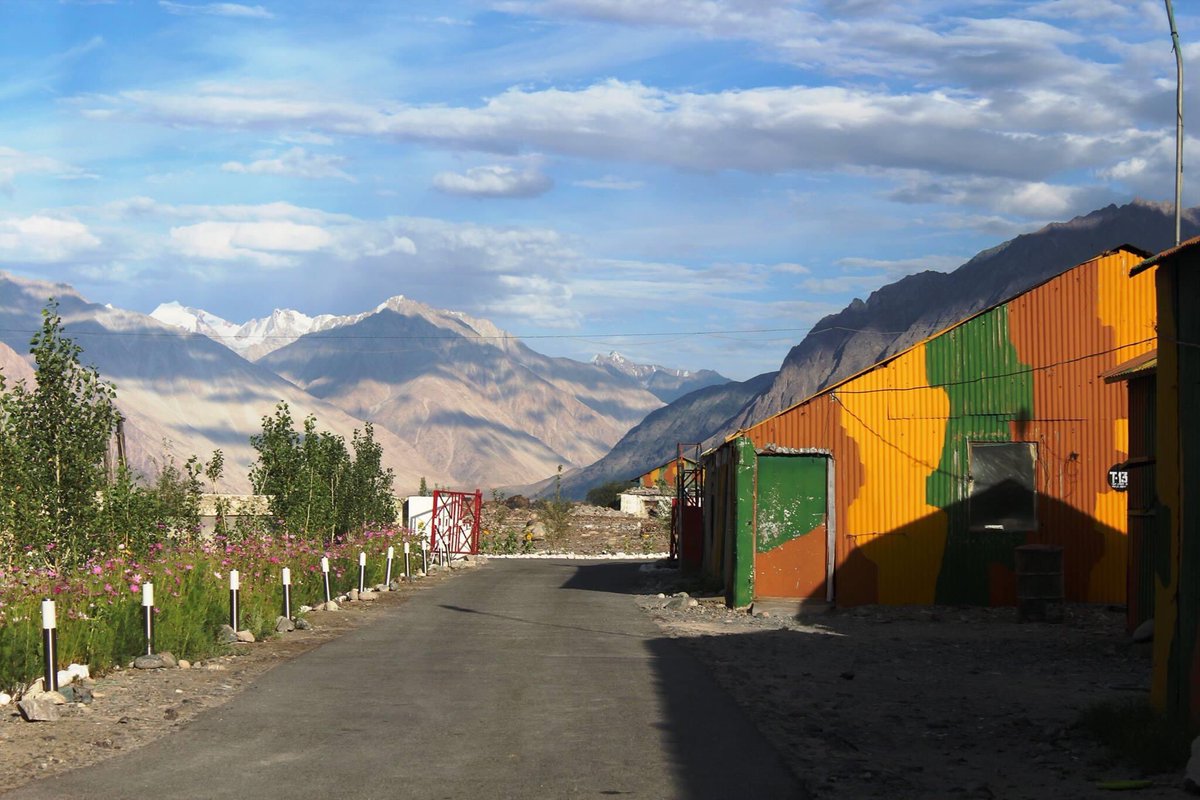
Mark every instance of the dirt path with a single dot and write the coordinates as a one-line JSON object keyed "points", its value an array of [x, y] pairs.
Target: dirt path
{"points": [[925, 703]]}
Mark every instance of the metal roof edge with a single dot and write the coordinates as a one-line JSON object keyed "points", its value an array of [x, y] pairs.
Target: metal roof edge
{"points": [[1166, 255], [1137, 251]]}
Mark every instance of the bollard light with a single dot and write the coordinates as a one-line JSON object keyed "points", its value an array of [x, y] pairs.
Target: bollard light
{"points": [[148, 616], [50, 645], [325, 575], [235, 586], [287, 592], [407, 564], [362, 572], [424, 558], [391, 554]]}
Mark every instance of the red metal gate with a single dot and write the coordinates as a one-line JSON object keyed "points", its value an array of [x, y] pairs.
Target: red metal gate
{"points": [[687, 519], [454, 529]]}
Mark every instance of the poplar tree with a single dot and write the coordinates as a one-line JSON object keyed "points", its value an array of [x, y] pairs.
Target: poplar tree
{"points": [[55, 437]]}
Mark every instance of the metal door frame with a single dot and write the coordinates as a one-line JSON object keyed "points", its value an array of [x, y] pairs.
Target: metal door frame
{"points": [[830, 504], [454, 524]]}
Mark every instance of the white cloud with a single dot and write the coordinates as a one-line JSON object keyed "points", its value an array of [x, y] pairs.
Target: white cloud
{"points": [[495, 180], [1079, 9], [237, 10], [611, 183], [296, 162], [1028, 199], [14, 162], [268, 244], [900, 267], [787, 268], [765, 129], [44, 239]]}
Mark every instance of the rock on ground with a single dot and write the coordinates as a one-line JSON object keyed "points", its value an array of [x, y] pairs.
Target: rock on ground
{"points": [[39, 708]]}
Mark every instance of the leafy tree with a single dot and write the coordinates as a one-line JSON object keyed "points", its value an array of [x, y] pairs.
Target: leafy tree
{"points": [[55, 439], [277, 472], [369, 491], [315, 484], [607, 495], [423, 489]]}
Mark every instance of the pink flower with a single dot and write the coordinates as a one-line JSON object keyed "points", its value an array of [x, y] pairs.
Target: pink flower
{"points": [[97, 570], [134, 588]]}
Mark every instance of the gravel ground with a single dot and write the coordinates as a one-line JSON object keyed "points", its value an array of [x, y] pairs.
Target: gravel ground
{"points": [[923, 702]]}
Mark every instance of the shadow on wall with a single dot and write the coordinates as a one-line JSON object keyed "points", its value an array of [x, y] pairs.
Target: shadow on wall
{"points": [[955, 557]]}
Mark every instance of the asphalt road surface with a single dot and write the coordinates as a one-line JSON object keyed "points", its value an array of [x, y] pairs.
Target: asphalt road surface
{"points": [[524, 679]]}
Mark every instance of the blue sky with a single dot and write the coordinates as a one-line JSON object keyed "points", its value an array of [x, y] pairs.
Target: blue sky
{"points": [[590, 174]]}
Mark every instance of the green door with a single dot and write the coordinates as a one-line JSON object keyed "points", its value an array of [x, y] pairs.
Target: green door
{"points": [[790, 544]]}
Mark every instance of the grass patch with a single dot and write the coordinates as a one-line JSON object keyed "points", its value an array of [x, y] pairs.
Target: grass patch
{"points": [[1138, 735]]}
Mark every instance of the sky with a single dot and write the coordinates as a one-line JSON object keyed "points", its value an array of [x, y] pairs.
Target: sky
{"points": [[693, 183]]}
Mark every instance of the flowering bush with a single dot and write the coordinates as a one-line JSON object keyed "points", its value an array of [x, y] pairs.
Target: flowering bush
{"points": [[98, 603]]}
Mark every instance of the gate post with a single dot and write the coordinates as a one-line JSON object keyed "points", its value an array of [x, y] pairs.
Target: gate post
{"points": [[740, 592]]}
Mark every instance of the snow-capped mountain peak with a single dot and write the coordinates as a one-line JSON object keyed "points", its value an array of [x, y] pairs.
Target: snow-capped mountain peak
{"points": [[666, 383]]}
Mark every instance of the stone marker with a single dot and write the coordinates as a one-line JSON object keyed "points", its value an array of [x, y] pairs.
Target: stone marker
{"points": [[352, 595], [331, 606], [38, 708], [77, 693], [368, 595], [303, 625], [284, 625], [245, 636], [152, 661], [185, 664], [226, 635]]}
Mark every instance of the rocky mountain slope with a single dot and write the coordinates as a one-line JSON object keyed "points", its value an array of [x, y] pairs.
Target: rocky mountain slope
{"points": [[905, 312], [665, 383], [691, 418], [892, 319], [472, 399], [181, 394]]}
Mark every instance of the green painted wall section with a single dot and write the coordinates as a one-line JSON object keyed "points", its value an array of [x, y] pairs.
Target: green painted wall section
{"points": [[741, 590], [791, 499], [980, 411]]}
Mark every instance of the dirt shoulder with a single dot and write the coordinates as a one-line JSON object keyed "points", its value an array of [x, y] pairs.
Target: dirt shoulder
{"points": [[925, 702], [133, 707]]}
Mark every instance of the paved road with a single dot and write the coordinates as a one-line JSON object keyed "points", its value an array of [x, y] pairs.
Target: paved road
{"points": [[524, 679]]}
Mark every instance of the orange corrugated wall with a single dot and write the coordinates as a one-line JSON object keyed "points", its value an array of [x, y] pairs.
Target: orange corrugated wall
{"points": [[886, 443]]}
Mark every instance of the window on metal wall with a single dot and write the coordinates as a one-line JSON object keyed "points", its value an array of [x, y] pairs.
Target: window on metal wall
{"points": [[1003, 484]]}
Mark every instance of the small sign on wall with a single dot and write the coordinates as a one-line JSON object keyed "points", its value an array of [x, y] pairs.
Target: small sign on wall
{"points": [[1118, 478]]}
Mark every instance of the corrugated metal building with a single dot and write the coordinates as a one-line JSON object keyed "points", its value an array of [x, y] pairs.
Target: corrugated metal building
{"points": [[662, 475], [1176, 426], [914, 481]]}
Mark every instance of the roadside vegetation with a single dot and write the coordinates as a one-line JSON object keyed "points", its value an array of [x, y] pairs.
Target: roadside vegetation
{"points": [[87, 533]]}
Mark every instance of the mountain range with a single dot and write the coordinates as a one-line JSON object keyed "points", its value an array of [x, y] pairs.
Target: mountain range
{"points": [[665, 383], [865, 332], [462, 403], [453, 399]]}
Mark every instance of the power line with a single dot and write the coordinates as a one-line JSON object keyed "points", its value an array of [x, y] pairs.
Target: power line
{"points": [[982, 378], [475, 336]]}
